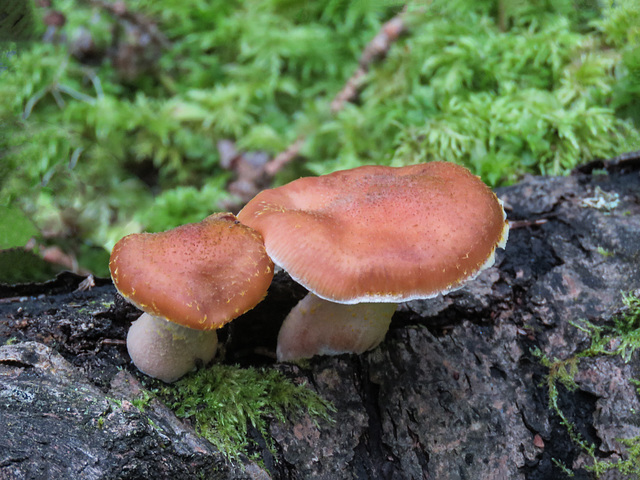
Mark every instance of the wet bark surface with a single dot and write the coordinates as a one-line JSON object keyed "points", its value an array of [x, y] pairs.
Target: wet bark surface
{"points": [[456, 391]]}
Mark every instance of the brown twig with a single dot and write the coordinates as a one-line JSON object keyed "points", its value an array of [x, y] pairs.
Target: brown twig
{"points": [[376, 49], [272, 167]]}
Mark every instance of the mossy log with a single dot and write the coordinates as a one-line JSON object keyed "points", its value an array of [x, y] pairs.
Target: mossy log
{"points": [[458, 390]]}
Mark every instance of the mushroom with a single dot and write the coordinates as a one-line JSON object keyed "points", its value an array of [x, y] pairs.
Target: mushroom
{"points": [[373, 235], [189, 281]]}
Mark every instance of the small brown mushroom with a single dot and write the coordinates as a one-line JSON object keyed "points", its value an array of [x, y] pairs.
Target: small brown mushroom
{"points": [[189, 281], [376, 234]]}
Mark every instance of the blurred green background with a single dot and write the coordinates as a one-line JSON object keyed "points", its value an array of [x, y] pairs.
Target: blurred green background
{"points": [[111, 114]]}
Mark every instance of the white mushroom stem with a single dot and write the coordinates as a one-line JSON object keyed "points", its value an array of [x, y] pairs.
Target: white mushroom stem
{"points": [[319, 327], [166, 350]]}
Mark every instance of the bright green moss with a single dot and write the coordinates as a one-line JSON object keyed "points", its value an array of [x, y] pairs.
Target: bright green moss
{"points": [[222, 401]]}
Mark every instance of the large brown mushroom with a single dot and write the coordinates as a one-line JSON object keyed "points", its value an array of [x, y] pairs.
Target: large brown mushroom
{"points": [[374, 234], [189, 281]]}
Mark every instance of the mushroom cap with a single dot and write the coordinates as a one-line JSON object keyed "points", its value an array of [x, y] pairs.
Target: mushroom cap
{"points": [[201, 275], [381, 234]]}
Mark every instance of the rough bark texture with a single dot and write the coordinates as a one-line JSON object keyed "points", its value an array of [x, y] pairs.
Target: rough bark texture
{"points": [[454, 392]]}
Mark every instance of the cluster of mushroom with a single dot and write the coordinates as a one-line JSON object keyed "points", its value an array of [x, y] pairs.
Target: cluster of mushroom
{"points": [[360, 240]]}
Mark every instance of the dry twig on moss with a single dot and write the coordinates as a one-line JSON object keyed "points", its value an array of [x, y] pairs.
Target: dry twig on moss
{"points": [[376, 49]]}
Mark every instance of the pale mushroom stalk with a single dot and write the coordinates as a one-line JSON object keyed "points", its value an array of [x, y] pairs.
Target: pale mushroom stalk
{"points": [[165, 350], [319, 327]]}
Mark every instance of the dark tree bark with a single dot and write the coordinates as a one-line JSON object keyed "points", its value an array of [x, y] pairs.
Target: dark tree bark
{"points": [[454, 392]]}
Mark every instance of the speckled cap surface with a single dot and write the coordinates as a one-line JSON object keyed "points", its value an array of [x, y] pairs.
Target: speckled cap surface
{"points": [[381, 234], [201, 275]]}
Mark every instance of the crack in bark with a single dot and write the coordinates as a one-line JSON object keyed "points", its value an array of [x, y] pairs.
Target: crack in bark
{"points": [[383, 463]]}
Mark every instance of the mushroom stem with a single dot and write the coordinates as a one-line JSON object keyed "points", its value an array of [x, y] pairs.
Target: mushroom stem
{"points": [[166, 350], [319, 327]]}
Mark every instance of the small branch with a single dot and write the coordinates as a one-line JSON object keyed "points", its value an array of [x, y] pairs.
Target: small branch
{"points": [[376, 49], [284, 157]]}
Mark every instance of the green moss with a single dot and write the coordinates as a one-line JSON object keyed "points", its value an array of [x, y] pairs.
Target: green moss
{"points": [[142, 401], [624, 334], [222, 401], [504, 87], [621, 338], [604, 252], [563, 468]]}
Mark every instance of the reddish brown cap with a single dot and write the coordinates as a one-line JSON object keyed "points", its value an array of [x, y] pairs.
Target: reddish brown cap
{"points": [[201, 275], [381, 234]]}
